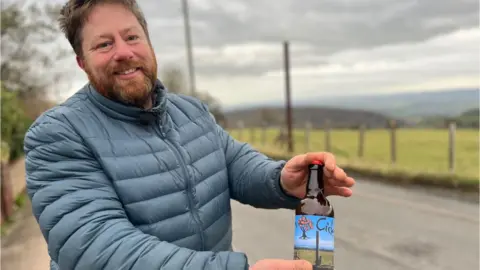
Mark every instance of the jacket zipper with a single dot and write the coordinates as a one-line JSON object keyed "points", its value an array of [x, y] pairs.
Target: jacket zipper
{"points": [[191, 204]]}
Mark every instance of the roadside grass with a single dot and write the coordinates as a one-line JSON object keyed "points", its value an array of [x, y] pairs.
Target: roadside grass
{"points": [[20, 202], [422, 154]]}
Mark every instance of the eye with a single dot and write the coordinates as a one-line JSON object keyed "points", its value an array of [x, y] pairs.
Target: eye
{"points": [[132, 37], [103, 45]]}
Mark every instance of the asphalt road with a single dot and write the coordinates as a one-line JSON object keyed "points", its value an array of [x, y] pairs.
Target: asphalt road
{"points": [[380, 227], [24, 247]]}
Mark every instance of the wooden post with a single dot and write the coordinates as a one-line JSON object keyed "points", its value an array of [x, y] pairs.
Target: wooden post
{"points": [[264, 133], [393, 142], [361, 141], [252, 135], [281, 136], [240, 126], [328, 145], [308, 128], [288, 105], [452, 126], [6, 192], [6, 188]]}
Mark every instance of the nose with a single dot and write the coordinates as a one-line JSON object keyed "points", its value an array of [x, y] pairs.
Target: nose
{"points": [[122, 51]]}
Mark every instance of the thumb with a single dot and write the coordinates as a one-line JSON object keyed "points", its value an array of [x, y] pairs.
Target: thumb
{"points": [[279, 264], [298, 162], [301, 265], [296, 265]]}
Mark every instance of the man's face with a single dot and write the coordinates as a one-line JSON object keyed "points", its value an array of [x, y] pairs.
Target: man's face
{"points": [[118, 58]]}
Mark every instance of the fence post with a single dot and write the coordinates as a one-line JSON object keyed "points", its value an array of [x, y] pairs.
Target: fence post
{"points": [[6, 194], [264, 133], [327, 136], [252, 135], [240, 127], [308, 127], [361, 140], [452, 126], [393, 141]]}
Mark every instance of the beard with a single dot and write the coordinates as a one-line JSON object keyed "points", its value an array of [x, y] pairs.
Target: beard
{"points": [[136, 91]]}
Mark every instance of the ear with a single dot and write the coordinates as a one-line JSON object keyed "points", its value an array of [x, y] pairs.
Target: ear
{"points": [[80, 62]]}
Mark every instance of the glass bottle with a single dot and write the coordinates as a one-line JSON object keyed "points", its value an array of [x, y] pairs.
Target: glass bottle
{"points": [[314, 223]]}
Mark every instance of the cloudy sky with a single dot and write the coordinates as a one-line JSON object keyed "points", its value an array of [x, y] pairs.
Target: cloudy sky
{"points": [[338, 47]]}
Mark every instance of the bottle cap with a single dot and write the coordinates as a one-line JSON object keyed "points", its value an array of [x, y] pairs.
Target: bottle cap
{"points": [[317, 162]]}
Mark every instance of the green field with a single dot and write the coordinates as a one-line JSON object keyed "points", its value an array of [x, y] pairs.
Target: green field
{"points": [[309, 255], [419, 151]]}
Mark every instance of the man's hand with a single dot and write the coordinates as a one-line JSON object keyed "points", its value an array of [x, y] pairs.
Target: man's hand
{"points": [[275, 264], [295, 173]]}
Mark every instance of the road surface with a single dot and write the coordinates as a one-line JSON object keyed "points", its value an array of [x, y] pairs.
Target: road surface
{"points": [[380, 227], [24, 247]]}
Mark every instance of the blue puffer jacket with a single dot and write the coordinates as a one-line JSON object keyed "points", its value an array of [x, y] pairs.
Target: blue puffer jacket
{"points": [[117, 187]]}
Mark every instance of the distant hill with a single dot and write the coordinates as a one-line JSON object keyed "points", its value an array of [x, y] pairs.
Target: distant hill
{"points": [[411, 106], [339, 118], [467, 119]]}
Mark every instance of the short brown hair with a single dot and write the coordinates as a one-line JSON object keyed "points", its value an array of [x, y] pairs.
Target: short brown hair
{"points": [[74, 14]]}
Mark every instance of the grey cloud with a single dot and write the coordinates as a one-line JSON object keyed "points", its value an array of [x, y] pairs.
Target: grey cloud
{"points": [[257, 64], [328, 26]]}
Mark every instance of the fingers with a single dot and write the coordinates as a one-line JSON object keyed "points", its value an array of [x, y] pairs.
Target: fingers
{"points": [[298, 265], [338, 191], [337, 187], [330, 165], [336, 177], [345, 182], [337, 173], [278, 264], [339, 178], [302, 265], [349, 182], [327, 158]]}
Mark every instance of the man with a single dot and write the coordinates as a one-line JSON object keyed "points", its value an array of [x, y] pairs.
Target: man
{"points": [[124, 175]]}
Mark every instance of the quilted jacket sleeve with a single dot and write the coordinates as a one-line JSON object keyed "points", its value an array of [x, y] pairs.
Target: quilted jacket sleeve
{"points": [[81, 216], [254, 178]]}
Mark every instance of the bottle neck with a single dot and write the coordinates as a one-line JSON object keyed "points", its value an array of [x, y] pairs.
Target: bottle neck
{"points": [[315, 181]]}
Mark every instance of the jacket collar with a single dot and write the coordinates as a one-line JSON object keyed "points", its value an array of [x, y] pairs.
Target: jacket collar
{"points": [[121, 111]]}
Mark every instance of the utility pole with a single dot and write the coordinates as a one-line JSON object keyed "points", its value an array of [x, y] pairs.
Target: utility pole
{"points": [[286, 56], [188, 42]]}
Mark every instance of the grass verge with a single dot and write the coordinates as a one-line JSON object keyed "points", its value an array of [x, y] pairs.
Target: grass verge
{"points": [[418, 151], [20, 201], [392, 174]]}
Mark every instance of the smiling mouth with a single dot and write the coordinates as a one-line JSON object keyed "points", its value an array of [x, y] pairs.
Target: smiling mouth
{"points": [[126, 72]]}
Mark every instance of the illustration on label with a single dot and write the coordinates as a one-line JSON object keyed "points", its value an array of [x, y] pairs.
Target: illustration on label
{"points": [[314, 240]]}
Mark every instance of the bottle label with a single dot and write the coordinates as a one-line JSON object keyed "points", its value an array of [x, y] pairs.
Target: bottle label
{"points": [[314, 240]]}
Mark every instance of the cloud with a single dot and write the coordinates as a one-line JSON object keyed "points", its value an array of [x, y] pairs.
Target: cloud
{"points": [[447, 54], [340, 47], [324, 26], [334, 25], [445, 61], [337, 47]]}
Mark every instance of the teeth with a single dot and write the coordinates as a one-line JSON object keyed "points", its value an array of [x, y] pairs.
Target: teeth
{"points": [[128, 71]]}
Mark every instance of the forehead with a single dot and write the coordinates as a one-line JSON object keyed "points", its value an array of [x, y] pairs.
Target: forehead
{"points": [[105, 19]]}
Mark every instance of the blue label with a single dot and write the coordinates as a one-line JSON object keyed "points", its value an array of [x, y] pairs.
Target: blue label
{"points": [[314, 240]]}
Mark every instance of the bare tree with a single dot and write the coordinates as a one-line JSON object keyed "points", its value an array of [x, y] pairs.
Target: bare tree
{"points": [[30, 48], [269, 116], [173, 78]]}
